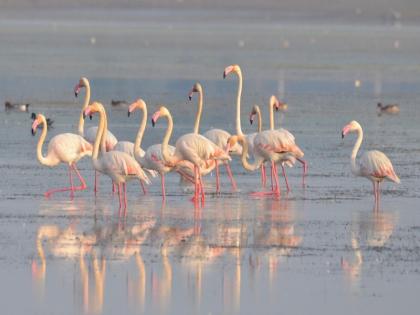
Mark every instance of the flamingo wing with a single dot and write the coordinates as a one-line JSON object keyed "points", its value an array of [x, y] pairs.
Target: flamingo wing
{"points": [[68, 148], [120, 164], [376, 164], [220, 137], [110, 140]]}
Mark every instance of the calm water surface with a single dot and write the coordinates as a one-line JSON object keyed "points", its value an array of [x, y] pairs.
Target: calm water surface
{"points": [[318, 249]]}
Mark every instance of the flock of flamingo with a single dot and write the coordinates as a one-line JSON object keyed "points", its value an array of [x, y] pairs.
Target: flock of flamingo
{"points": [[194, 155]]}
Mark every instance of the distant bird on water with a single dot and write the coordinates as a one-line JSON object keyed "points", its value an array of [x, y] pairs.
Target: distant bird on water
{"points": [[118, 103], [374, 165], [391, 109], [16, 106]]}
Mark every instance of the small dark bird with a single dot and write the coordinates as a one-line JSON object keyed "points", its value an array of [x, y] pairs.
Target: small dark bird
{"points": [[119, 103], [391, 109], [49, 121], [16, 106]]}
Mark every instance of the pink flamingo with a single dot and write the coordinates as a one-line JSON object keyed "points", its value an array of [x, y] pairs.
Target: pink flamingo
{"points": [[217, 136], [120, 166], [90, 133], [192, 148], [152, 159], [63, 148], [374, 165]]}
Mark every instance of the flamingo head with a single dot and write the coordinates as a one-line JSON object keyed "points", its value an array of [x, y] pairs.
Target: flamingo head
{"points": [[231, 142], [38, 120], [255, 110], [83, 82], [139, 104], [163, 111], [195, 89], [92, 109], [350, 127], [231, 68], [279, 105]]}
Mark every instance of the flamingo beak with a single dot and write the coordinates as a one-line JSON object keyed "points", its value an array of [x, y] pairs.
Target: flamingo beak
{"points": [[77, 90], [128, 113], [224, 74], [251, 118], [34, 127], [155, 117], [153, 122], [345, 131]]}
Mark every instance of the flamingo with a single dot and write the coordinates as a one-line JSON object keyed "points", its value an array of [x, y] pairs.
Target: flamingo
{"points": [[62, 148], [374, 165], [91, 132], [217, 136], [119, 166], [152, 159], [191, 147]]}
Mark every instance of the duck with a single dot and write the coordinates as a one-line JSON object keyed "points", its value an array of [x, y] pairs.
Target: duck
{"points": [[117, 103], [391, 109], [16, 106]]}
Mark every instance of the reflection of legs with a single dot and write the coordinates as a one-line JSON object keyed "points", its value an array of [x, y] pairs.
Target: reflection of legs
{"points": [[217, 177], [95, 187], [305, 170], [232, 180], [196, 184]]}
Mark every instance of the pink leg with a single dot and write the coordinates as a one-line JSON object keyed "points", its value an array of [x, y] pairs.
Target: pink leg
{"points": [[162, 184], [276, 178], [120, 198], [196, 184], [285, 178], [143, 187], [125, 198], [71, 188], [275, 188], [113, 188], [305, 170], [95, 188], [71, 182], [232, 180], [201, 189], [217, 177], [82, 181], [263, 176]]}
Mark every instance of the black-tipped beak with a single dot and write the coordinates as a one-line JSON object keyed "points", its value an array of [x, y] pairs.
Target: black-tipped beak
{"points": [[224, 75], [33, 132], [190, 97], [76, 94], [277, 109], [90, 117], [342, 135], [153, 122], [128, 113], [251, 121]]}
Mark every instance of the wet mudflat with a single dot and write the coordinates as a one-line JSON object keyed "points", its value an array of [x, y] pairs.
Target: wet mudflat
{"points": [[322, 247]]}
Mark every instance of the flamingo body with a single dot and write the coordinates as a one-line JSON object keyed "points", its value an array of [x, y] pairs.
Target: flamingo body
{"points": [[67, 148]]}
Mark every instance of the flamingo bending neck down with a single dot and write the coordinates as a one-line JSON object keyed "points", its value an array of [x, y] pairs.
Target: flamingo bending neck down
{"points": [[151, 159], [192, 148], [63, 148], [90, 134], [120, 166], [217, 136], [374, 165]]}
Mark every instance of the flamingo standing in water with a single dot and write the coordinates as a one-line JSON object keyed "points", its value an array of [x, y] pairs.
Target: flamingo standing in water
{"points": [[217, 136], [192, 148], [90, 134], [120, 166], [152, 159], [374, 165], [63, 148]]}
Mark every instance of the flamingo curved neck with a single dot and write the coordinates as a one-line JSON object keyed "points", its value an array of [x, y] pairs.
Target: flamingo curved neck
{"points": [[354, 167], [271, 112], [259, 129], [167, 157], [238, 105], [199, 111], [249, 167], [43, 159], [85, 104], [100, 139], [140, 133]]}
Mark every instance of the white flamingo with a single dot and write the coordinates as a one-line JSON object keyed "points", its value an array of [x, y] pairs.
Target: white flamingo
{"points": [[120, 166], [374, 165], [63, 148]]}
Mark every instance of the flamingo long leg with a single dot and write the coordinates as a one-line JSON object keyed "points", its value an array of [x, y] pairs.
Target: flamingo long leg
{"points": [[81, 179], [71, 183], [201, 188], [162, 184], [125, 198], [276, 178], [285, 177], [305, 170], [263, 176], [217, 177], [143, 187], [275, 188], [95, 187], [48, 193], [232, 180]]}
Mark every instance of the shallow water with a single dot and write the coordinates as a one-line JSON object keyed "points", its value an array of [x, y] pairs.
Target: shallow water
{"points": [[321, 247]]}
